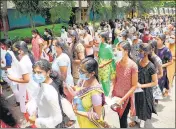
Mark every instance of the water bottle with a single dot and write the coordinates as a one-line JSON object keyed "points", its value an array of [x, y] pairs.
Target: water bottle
{"points": [[77, 101]]}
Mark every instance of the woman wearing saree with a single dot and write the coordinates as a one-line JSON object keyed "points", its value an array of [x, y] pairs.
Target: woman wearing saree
{"points": [[91, 95], [106, 63], [171, 68]]}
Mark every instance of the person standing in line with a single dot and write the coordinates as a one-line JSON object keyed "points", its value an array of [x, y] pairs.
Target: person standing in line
{"points": [[166, 56], [88, 43], [125, 83], [78, 53], [37, 44], [147, 78], [62, 65], [157, 95], [106, 63], [26, 60], [170, 43], [135, 47], [50, 103], [90, 92]]}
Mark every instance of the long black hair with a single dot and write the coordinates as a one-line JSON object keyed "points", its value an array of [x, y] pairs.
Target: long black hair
{"points": [[60, 43], [46, 66], [91, 65], [147, 48], [35, 31], [21, 45], [75, 35], [105, 35], [8, 43], [126, 46], [6, 114]]}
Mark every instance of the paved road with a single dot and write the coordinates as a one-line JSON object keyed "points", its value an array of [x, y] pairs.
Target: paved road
{"points": [[164, 119]]}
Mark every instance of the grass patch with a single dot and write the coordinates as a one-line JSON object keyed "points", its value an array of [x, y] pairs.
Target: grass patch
{"points": [[26, 32]]}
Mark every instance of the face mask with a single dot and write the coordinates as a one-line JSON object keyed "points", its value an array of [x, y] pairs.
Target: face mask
{"points": [[134, 37], [33, 36], [62, 30], [45, 33], [141, 55], [39, 78], [147, 32], [171, 40], [118, 56], [83, 77]]}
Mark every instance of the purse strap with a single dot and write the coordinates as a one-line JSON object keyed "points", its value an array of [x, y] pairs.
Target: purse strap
{"points": [[62, 112]]}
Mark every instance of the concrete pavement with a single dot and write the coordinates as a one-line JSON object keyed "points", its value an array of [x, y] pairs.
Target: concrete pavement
{"points": [[164, 119]]}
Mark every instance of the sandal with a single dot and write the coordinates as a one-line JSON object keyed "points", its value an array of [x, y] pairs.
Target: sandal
{"points": [[166, 94], [132, 124], [17, 104]]}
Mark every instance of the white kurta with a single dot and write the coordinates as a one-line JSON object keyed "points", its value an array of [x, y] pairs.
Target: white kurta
{"points": [[49, 113]]}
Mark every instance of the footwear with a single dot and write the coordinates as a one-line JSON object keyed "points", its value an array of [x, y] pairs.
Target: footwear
{"points": [[16, 104], [166, 93], [142, 124], [132, 124]]}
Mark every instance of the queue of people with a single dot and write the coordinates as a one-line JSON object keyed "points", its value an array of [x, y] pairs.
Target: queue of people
{"points": [[65, 81]]}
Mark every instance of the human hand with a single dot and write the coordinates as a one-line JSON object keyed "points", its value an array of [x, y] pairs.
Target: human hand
{"points": [[101, 66], [32, 119], [9, 77], [139, 85], [74, 106]]}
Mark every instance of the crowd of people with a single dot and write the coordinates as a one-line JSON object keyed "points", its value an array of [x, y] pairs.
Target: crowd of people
{"points": [[65, 81]]}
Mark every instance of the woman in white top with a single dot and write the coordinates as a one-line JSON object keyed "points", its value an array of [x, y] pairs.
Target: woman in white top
{"points": [[24, 70], [50, 101], [62, 65]]}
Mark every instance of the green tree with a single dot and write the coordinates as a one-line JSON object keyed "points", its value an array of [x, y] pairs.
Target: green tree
{"points": [[61, 10], [29, 8]]}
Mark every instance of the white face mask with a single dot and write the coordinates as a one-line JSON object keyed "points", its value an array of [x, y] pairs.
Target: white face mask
{"points": [[45, 33], [118, 55], [33, 36], [105, 28], [54, 51]]}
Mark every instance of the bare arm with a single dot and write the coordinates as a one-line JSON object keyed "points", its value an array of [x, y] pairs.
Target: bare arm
{"points": [[80, 58], [152, 84], [89, 45], [160, 72], [25, 78], [167, 64], [133, 88], [63, 70], [97, 110], [101, 66]]}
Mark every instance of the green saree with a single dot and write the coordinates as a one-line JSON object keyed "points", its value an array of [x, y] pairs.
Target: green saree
{"points": [[107, 73]]}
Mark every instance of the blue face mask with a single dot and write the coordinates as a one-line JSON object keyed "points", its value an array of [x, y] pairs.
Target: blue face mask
{"points": [[39, 78], [141, 55], [83, 77]]}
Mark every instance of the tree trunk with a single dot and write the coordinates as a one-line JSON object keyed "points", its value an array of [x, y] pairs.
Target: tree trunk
{"points": [[4, 16], [89, 9], [132, 13], [31, 21], [79, 11]]}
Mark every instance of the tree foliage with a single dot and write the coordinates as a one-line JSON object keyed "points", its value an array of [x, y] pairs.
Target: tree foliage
{"points": [[28, 7], [62, 10]]}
